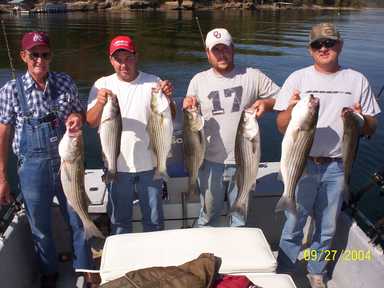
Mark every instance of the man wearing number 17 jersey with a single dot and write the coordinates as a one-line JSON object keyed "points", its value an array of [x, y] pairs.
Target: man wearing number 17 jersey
{"points": [[223, 92]]}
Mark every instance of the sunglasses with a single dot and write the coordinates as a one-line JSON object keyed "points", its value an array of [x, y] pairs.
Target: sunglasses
{"points": [[35, 55], [328, 43]]}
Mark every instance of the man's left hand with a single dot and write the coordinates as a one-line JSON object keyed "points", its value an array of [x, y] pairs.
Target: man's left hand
{"points": [[259, 107], [74, 122]]}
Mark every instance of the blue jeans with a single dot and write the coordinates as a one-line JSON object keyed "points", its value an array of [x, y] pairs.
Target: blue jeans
{"points": [[319, 192], [215, 180], [121, 196], [39, 183]]}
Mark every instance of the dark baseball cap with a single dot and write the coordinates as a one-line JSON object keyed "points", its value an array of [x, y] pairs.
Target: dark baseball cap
{"points": [[32, 39], [324, 31]]}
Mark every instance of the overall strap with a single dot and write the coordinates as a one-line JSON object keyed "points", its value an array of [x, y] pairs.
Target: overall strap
{"points": [[21, 96], [53, 93]]}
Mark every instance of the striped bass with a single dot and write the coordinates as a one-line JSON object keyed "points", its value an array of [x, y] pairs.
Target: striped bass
{"points": [[110, 134], [160, 130], [352, 123], [71, 151], [247, 157], [194, 146], [297, 143]]}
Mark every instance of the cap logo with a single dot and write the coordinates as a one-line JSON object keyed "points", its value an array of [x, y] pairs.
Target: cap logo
{"points": [[120, 43], [217, 34], [37, 37]]}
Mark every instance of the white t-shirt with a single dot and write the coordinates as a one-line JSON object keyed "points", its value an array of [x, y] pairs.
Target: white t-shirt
{"points": [[222, 99], [335, 91], [134, 99]]}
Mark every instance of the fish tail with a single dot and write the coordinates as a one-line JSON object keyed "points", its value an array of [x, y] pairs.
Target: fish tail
{"points": [[161, 175], [91, 230], [192, 191], [240, 208], [286, 203], [109, 177]]}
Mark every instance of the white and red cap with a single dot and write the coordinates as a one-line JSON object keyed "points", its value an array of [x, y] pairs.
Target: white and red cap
{"points": [[32, 39], [218, 36], [122, 43]]}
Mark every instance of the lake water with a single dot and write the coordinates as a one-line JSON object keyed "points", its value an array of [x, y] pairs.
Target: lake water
{"points": [[170, 46]]}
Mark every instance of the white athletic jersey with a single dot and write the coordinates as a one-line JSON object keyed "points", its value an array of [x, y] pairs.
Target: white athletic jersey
{"points": [[335, 91], [222, 99], [134, 100]]}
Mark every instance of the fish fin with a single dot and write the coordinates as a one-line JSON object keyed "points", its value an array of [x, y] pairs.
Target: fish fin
{"points": [[91, 230], [254, 145], [347, 197], [286, 203], [63, 167], [201, 136], [295, 134]]}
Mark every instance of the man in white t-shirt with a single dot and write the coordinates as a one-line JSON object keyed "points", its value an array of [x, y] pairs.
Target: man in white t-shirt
{"points": [[135, 162], [223, 92], [320, 190]]}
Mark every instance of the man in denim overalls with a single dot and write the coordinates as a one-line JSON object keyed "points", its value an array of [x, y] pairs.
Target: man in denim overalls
{"points": [[38, 106]]}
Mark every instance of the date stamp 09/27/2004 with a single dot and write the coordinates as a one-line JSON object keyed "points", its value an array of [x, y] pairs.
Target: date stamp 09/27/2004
{"points": [[334, 254]]}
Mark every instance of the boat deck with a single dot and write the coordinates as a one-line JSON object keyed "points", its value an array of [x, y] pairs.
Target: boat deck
{"points": [[263, 200]]}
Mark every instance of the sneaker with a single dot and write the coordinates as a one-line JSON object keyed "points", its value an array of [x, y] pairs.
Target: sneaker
{"points": [[316, 281]]}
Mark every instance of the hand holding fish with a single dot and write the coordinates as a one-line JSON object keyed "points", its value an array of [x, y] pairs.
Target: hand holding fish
{"points": [[189, 102], [357, 108], [261, 106], [167, 88], [74, 122], [294, 98], [102, 96], [357, 114]]}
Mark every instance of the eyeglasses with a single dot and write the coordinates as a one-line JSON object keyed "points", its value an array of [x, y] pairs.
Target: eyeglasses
{"points": [[328, 43], [35, 55]]}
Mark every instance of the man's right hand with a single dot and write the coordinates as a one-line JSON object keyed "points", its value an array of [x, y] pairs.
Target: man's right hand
{"points": [[294, 98], [189, 102], [102, 96], [5, 193]]}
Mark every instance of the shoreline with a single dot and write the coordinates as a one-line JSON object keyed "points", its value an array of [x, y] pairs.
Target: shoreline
{"points": [[134, 5]]}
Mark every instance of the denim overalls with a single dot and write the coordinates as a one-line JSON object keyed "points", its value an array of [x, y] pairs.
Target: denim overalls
{"points": [[39, 164]]}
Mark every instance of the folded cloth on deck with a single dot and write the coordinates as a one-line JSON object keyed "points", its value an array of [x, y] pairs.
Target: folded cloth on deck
{"points": [[198, 273], [234, 281]]}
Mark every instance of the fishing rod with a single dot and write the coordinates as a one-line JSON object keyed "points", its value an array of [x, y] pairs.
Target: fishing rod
{"points": [[13, 71], [381, 91], [201, 32]]}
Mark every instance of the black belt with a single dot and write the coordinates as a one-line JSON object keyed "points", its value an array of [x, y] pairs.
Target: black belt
{"points": [[48, 118], [323, 160]]}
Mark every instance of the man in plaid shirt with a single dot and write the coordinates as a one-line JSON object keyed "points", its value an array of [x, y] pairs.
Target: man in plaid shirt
{"points": [[39, 106]]}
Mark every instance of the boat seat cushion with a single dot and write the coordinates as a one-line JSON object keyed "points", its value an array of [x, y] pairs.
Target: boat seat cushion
{"points": [[271, 280], [240, 249]]}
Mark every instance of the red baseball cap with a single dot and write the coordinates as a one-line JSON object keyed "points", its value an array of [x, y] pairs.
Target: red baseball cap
{"points": [[122, 43], [32, 39]]}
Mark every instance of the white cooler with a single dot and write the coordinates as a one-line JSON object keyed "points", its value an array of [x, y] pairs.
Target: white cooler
{"points": [[271, 280], [242, 250]]}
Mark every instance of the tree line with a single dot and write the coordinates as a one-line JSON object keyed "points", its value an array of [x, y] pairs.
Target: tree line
{"points": [[334, 3]]}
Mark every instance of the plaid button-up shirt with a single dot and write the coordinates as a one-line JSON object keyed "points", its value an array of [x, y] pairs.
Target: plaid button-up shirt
{"points": [[39, 102]]}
